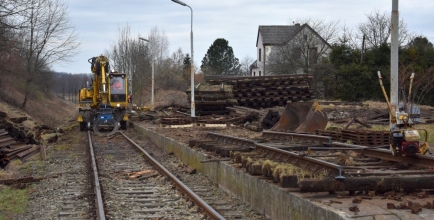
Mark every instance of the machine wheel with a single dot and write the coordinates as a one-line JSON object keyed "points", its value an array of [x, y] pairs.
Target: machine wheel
{"points": [[123, 125], [105, 128], [83, 126]]}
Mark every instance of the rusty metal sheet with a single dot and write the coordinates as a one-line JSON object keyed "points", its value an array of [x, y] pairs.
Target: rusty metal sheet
{"points": [[303, 117]]}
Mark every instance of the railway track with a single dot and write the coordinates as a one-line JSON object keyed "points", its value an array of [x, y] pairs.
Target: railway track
{"points": [[133, 189], [314, 163], [121, 180]]}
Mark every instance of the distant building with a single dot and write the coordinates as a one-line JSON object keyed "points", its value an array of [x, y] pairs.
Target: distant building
{"points": [[301, 43]]}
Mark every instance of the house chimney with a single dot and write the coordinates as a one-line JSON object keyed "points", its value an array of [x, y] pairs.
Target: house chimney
{"points": [[297, 24]]}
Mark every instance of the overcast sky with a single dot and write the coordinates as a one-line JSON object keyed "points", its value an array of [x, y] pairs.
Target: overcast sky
{"points": [[97, 22]]}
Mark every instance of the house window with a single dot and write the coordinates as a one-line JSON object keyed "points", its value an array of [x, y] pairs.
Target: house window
{"points": [[259, 73], [313, 53], [259, 54], [254, 73], [296, 53]]}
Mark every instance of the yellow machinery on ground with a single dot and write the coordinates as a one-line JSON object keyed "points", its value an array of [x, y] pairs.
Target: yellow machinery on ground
{"points": [[404, 138], [103, 104]]}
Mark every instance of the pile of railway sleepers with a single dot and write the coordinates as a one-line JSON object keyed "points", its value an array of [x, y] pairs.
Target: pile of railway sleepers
{"points": [[16, 142], [11, 149], [359, 137], [212, 99], [267, 91]]}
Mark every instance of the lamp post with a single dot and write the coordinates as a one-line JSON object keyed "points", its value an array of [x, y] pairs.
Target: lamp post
{"points": [[192, 59], [152, 78]]}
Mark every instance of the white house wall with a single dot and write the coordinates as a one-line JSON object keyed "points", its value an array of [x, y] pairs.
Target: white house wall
{"points": [[269, 48], [259, 64]]}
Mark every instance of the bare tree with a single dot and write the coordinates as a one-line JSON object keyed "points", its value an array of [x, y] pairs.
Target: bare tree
{"points": [[326, 29], [10, 13], [377, 29], [158, 44], [245, 65], [48, 38]]}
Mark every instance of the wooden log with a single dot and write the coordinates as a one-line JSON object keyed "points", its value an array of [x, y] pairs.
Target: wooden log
{"points": [[42, 152], [255, 169], [6, 141], [378, 183], [289, 181], [21, 180], [26, 153], [139, 173], [18, 119], [190, 170]]}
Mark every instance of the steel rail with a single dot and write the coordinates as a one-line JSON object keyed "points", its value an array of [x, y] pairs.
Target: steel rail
{"points": [[421, 160], [207, 209], [271, 134], [100, 214], [233, 140], [308, 161]]}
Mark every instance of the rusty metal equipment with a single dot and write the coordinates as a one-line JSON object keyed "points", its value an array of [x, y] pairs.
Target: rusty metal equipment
{"points": [[302, 117], [405, 139]]}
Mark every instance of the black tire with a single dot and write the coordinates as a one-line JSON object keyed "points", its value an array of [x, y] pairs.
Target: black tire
{"points": [[82, 126], [123, 125]]}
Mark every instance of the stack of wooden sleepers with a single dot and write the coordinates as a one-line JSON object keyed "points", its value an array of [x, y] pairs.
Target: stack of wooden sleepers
{"points": [[212, 99], [12, 149], [267, 91]]}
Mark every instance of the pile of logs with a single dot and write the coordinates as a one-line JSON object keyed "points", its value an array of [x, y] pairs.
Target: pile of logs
{"points": [[267, 91], [212, 99]]}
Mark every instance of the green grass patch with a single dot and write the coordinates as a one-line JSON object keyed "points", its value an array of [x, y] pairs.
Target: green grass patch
{"points": [[32, 165], [64, 147], [12, 201]]}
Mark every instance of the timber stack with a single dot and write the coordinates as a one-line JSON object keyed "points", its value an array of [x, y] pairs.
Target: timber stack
{"points": [[267, 91], [212, 99]]}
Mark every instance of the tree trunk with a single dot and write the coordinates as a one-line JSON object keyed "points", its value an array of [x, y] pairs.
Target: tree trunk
{"points": [[26, 94]]}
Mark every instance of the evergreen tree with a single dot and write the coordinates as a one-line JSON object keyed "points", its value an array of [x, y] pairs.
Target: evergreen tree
{"points": [[220, 59]]}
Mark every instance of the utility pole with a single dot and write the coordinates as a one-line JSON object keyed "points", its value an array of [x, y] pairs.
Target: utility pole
{"points": [[394, 59]]}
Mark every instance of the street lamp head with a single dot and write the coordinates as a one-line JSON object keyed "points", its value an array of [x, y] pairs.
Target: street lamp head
{"points": [[143, 39], [179, 2]]}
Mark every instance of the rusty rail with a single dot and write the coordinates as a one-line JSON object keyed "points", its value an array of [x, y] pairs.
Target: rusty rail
{"points": [[98, 199], [291, 136], [305, 161], [421, 160], [232, 140], [207, 209]]}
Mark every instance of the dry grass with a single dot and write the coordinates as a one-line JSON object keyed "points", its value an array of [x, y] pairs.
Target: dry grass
{"points": [[50, 111], [170, 98]]}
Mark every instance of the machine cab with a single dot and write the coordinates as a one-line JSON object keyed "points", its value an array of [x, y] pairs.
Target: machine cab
{"points": [[118, 88]]}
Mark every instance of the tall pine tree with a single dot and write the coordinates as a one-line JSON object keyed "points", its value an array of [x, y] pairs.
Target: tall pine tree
{"points": [[220, 59]]}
